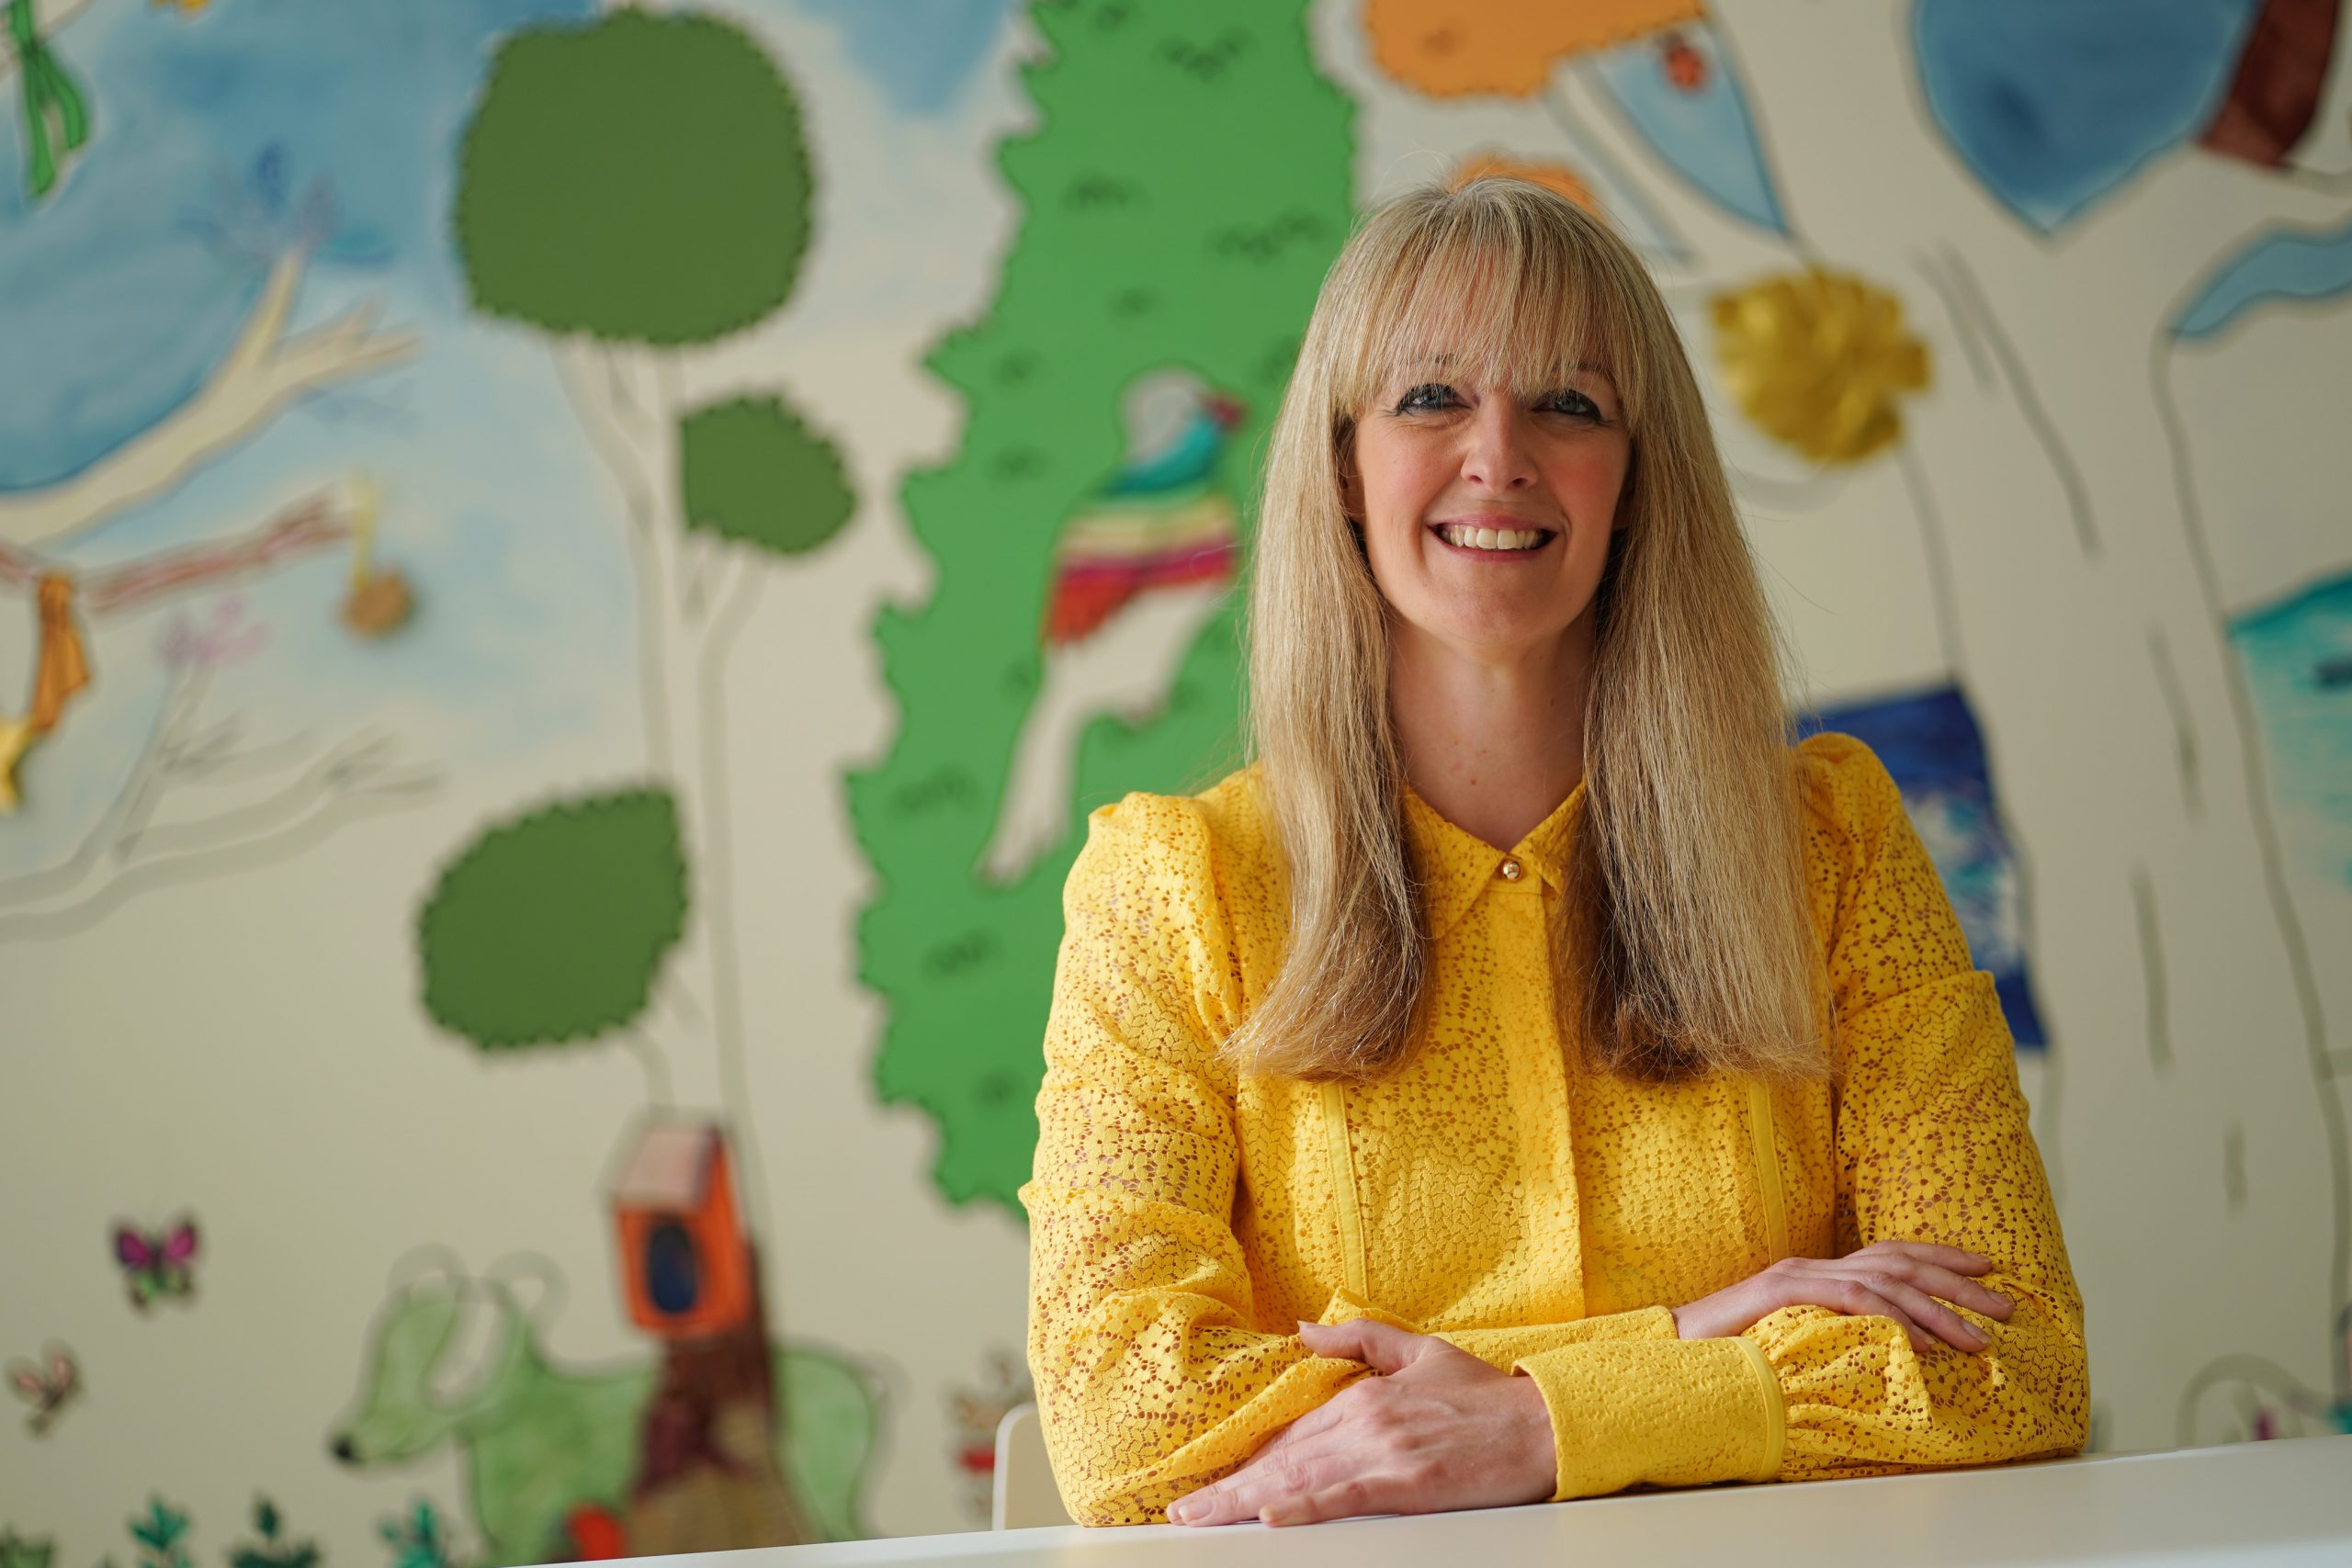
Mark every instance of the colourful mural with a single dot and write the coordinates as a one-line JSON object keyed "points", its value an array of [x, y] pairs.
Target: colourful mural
{"points": [[569, 572]]}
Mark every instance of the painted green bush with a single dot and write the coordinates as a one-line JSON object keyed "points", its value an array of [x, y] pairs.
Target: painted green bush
{"points": [[753, 471], [552, 927], [642, 179]]}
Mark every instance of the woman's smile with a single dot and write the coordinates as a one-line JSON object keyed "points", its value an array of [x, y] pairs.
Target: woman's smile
{"points": [[1492, 536]]}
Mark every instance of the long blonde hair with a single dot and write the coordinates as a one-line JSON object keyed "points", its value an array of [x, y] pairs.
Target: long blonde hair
{"points": [[1684, 945]]}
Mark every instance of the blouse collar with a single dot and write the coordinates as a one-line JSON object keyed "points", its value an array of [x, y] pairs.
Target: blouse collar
{"points": [[1456, 865]]}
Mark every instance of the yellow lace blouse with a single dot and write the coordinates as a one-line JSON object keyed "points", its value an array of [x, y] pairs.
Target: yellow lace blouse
{"points": [[1184, 1219]]}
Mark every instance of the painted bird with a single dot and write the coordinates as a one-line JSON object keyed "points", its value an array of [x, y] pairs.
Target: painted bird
{"points": [[1138, 569]]}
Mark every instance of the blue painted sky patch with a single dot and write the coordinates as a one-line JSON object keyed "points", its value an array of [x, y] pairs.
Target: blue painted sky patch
{"points": [[2054, 103]]}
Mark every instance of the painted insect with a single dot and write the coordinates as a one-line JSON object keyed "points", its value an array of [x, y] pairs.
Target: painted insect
{"points": [[48, 1384], [157, 1266]]}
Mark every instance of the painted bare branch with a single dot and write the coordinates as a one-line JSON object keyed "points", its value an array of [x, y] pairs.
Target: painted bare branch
{"points": [[198, 804], [264, 370], [302, 529]]}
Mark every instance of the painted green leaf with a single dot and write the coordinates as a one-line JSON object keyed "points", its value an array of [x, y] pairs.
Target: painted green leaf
{"points": [[16, 1551], [643, 178], [753, 471], [552, 928]]}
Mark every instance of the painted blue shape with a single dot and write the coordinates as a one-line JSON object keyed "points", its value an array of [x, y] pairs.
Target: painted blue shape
{"points": [[2297, 654], [213, 142], [1704, 131], [1935, 753], [2054, 103], [2283, 265], [918, 52]]}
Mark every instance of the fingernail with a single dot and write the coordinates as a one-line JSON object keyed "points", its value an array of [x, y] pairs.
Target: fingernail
{"points": [[2006, 1302], [1184, 1510]]}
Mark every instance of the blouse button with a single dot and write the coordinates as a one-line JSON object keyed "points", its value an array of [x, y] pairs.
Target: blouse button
{"points": [[1512, 869]]}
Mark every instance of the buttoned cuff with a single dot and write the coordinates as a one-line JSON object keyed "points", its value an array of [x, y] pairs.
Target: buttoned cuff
{"points": [[1677, 1413]]}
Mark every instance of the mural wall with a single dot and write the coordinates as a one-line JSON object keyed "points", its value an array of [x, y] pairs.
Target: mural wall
{"points": [[569, 574]]}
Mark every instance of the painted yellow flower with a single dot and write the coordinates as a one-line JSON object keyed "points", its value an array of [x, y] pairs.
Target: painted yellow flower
{"points": [[1819, 360], [184, 7]]}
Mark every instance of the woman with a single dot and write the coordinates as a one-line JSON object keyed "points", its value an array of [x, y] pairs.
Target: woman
{"points": [[1382, 1170]]}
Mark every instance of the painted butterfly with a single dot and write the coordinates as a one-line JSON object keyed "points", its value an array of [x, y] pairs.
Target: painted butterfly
{"points": [[46, 1387], [157, 1267]]}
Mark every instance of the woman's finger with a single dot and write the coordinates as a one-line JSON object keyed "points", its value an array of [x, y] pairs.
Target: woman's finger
{"points": [[1957, 1260], [1382, 1346], [1857, 1298], [1961, 1291], [1935, 1317], [1274, 1476], [1934, 1279]]}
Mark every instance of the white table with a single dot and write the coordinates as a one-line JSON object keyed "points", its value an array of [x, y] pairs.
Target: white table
{"points": [[2265, 1504]]}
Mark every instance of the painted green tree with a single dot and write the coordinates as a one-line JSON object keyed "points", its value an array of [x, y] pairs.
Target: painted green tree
{"points": [[632, 188], [1186, 187]]}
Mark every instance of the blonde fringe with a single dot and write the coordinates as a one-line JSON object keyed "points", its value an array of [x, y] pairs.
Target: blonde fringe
{"points": [[1685, 945]]}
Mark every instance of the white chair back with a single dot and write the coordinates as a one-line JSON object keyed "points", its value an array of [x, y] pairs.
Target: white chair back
{"points": [[1024, 1496]]}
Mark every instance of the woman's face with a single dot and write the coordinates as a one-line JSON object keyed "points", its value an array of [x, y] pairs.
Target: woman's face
{"points": [[1450, 479]]}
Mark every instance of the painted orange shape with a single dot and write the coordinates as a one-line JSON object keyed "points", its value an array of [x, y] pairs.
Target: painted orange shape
{"points": [[1552, 177], [1503, 47]]}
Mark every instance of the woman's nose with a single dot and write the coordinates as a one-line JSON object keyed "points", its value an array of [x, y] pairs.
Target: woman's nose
{"points": [[1497, 455]]}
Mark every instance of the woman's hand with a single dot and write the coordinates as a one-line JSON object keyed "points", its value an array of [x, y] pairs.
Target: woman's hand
{"points": [[1899, 1280], [1438, 1429]]}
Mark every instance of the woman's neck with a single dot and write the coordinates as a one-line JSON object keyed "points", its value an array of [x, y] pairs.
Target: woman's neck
{"points": [[1494, 745]]}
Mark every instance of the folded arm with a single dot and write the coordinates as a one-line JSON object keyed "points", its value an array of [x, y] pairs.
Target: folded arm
{"points": [[1933, 1145], [1150, 1376]]}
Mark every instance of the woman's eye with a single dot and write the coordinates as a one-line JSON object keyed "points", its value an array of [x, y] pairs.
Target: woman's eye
{"points": [[1569, 401], [1428, 395]]}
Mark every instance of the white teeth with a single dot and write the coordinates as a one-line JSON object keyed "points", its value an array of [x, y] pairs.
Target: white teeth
{"points": [[1491, 538]]}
